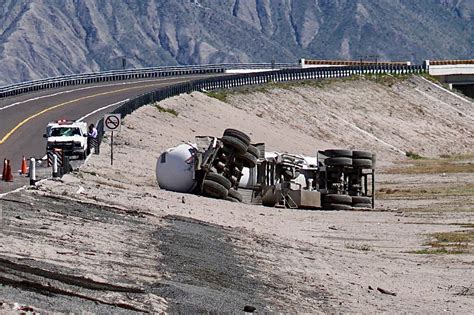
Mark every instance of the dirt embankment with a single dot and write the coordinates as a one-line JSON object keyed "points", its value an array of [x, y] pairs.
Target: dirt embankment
{"points": [[168, 251]]}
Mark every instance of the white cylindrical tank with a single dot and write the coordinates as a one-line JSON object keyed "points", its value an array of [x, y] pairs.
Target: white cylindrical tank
{"points": [[175, 169]]}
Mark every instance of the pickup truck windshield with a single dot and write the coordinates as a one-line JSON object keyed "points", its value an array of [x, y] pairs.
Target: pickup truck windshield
{"points": [[65, 132]]}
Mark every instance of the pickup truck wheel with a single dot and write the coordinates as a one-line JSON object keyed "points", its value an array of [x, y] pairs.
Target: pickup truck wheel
{"points": [[362, 155], [362, 163], [337, 206], [235, 194], [254, 151], [338, 153], [338, 161], [238, 145], [237, 134], [213, 189], [248, 160], [218, 178], [340, 199]]}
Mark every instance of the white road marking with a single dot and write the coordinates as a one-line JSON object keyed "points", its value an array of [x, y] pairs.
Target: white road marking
{"points": [[23, 187], [74, 90], [102, 108]]}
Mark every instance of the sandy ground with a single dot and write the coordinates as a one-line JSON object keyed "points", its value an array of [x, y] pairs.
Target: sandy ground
{"points": [[165, 251]]}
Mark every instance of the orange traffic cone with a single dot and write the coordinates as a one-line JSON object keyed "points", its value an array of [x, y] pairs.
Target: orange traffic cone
{"points": [[8, 176], [4, 172], [24, 168]]}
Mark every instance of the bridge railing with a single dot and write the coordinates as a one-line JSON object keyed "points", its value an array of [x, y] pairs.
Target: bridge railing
{"points": [[236, 80], [131, 74]]}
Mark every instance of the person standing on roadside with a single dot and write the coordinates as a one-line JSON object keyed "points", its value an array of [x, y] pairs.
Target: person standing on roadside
{"points": [[91, 137]]}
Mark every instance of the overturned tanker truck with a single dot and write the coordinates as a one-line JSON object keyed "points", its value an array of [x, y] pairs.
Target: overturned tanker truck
{"points": [[233, 168]]}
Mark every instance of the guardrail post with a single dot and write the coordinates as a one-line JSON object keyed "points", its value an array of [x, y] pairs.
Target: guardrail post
{"points": [[32, 171]]}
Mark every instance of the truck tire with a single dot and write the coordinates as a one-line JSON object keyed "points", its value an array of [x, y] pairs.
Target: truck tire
{"points": [[338, 153], [254, 151], [362, 163], [235, 143], [338, 161], [213, 189], [339, 199], [337, 206], [235, 195], [237, 134], [218, 178], [248, 160], [362, 205], [362, 155], [269, 198], [361, 199]]}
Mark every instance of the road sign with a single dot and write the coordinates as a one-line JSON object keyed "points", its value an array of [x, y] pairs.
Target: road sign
{"points": [[112, 122]]}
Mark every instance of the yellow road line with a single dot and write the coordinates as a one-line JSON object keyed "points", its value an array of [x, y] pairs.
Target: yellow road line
{"points": [[24, 121]]}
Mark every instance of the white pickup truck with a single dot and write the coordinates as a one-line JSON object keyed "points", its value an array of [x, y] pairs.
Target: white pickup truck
{"points": [[70, 136]]}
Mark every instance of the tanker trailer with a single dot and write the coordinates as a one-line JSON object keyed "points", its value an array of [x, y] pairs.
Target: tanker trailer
{"points": [[212, 166]]}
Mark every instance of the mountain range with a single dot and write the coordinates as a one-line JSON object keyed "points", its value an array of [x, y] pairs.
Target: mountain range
{"points": [[44, 38]]}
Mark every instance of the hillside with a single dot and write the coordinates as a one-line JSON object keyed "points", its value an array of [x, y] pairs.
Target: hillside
{"points": [[106, 239], [42, 38]]}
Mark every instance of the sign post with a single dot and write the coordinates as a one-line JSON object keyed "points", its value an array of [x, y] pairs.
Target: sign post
{"points": [[112, 122]]}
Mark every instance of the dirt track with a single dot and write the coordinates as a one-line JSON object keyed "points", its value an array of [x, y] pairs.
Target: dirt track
{"points": [[149, 249]]}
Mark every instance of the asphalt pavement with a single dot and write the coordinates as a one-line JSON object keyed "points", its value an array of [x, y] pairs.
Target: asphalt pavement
{"points": [[23, 119]]}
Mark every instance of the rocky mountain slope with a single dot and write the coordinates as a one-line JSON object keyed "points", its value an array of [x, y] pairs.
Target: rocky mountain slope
{"points": [[40, 38]]}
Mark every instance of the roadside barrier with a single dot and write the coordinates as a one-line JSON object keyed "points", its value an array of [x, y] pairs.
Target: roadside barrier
{"points": [[32, 174], [58, 153], [131, 74], [255, 78]]}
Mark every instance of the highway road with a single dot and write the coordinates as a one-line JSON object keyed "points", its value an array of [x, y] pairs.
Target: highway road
{"points": [[23, 119]]}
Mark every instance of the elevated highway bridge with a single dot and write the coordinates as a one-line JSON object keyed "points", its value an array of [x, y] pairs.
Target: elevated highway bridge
{"points": [[458, 74]]}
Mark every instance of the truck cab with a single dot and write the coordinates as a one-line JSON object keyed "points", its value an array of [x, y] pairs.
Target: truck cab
{"points": [[69, 136]]}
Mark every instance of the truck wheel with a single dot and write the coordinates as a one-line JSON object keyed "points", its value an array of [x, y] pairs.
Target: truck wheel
{"points": [[237, 134], [338, 153], [235, 143], [338, 161], [218, 178], [362, 163], [248, 160], [213, 189], [361, 199], [269, 198], [337, 206], [235, 194], [254, 151], [362, 155], [340, 199], [362, 205]]}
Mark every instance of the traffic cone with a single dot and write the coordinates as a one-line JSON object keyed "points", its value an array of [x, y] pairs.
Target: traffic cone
{"points": [[8, 176], [4, 171], [24, 167]]}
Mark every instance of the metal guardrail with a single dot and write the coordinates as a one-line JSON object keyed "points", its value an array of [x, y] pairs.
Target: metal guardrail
{"points": [[122, 75], [232, 81]]}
